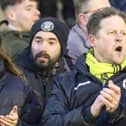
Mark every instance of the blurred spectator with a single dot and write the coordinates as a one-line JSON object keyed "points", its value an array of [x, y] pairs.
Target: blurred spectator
{"points": [[20, 16], [77, 39], [14, 90]]}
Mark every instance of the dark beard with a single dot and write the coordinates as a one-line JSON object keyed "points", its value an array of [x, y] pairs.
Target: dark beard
{"points": [[43, 65]]}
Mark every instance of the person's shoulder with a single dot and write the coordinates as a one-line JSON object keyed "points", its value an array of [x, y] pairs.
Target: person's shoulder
{"points": [[16, 34], [15, 80], [15, 85], [74, 30], [65, 81], [66, 77], [8, 35]]}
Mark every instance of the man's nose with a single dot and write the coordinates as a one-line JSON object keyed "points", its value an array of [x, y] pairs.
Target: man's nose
{"points": [[44, 46], [37, 13], [119, 37]]}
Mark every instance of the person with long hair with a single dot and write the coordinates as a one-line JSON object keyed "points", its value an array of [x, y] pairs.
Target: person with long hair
{"points": [[19, 104]]}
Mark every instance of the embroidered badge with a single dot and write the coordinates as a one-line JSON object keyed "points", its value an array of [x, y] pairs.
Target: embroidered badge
{"points": [[47, 26]]}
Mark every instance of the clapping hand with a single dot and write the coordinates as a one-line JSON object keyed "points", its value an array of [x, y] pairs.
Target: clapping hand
{"points": [[11, 119]]}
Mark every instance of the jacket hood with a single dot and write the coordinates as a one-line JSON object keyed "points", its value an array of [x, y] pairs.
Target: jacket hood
{"points": [[24, 60]]}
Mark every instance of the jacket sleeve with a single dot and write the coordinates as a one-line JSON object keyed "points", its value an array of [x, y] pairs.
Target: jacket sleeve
{"points": [[57, 112], [118, 118], [32, 110]]}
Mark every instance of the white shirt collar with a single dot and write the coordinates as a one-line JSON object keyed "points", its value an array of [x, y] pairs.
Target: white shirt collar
{"points": [[10, 26]]}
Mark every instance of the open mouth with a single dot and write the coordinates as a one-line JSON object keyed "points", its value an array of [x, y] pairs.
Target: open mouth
{"points": [[118, 49]]}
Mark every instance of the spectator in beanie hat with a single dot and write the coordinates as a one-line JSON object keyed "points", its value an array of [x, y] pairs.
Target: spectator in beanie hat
{"points": [[53, 25], [44, 57]]}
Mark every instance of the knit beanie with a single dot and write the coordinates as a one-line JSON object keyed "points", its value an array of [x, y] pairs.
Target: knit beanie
{"points": [[51, 24]]}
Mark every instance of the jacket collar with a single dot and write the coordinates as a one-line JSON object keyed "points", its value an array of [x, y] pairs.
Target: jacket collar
{"points": [[80, 64]]}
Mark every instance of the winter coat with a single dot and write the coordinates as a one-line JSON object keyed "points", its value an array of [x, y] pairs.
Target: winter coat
{"points": [[14, 41], [119, 4], [73, 94], [39, 79], [14, 91]]}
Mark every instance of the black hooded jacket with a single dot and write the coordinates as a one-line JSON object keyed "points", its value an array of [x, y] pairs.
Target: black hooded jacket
{"points": [[40, 80]]}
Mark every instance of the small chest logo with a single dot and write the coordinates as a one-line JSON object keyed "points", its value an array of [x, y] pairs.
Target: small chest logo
{"points": [[124, 83]]}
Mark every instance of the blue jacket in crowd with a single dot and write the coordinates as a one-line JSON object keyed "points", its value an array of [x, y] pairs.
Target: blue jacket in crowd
{"points": [[119, 4], [14, 91], [38, 79], [73, 94]]}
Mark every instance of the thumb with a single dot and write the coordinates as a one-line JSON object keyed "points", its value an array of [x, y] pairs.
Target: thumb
{"points": [[14, 109]]}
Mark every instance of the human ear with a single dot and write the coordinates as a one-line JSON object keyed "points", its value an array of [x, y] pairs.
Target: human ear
{"points": [[10, 14], [91, 40]]}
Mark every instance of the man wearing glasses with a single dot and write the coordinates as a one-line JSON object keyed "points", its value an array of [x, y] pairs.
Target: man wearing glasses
{"points": [[78, 34]]}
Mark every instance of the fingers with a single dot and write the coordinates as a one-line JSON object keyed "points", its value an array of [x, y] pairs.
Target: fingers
{"points": [[7, 122], [114, 87], [11, 119], [97, 106], [14, 110], [111, 96], [107, 100]]}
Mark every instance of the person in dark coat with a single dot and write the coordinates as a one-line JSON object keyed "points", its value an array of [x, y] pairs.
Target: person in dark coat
{"points": [[15, 91], [94, 93], [44, 58]]}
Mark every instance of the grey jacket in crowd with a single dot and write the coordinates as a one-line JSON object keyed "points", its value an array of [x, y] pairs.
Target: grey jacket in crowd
{"points": [[77, 42]]}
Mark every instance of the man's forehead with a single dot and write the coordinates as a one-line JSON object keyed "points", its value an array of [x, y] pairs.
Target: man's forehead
{"points": [[97, 4], [114, 21], [42, 34]]}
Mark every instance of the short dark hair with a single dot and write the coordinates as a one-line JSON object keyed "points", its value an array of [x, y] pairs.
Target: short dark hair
{"points": [[5, 3], [93, 24]]}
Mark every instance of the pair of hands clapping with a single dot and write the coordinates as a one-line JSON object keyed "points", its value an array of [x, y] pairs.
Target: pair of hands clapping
{"points": [[108, 97]]}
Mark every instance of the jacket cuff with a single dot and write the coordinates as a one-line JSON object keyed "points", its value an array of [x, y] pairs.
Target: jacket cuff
{"points": [[88, 117], [116, 116]]}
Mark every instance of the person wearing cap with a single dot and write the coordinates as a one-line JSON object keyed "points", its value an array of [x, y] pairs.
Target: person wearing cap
{"points": [[77, 39], [94, 92], [44, 58], [20, 15]]}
